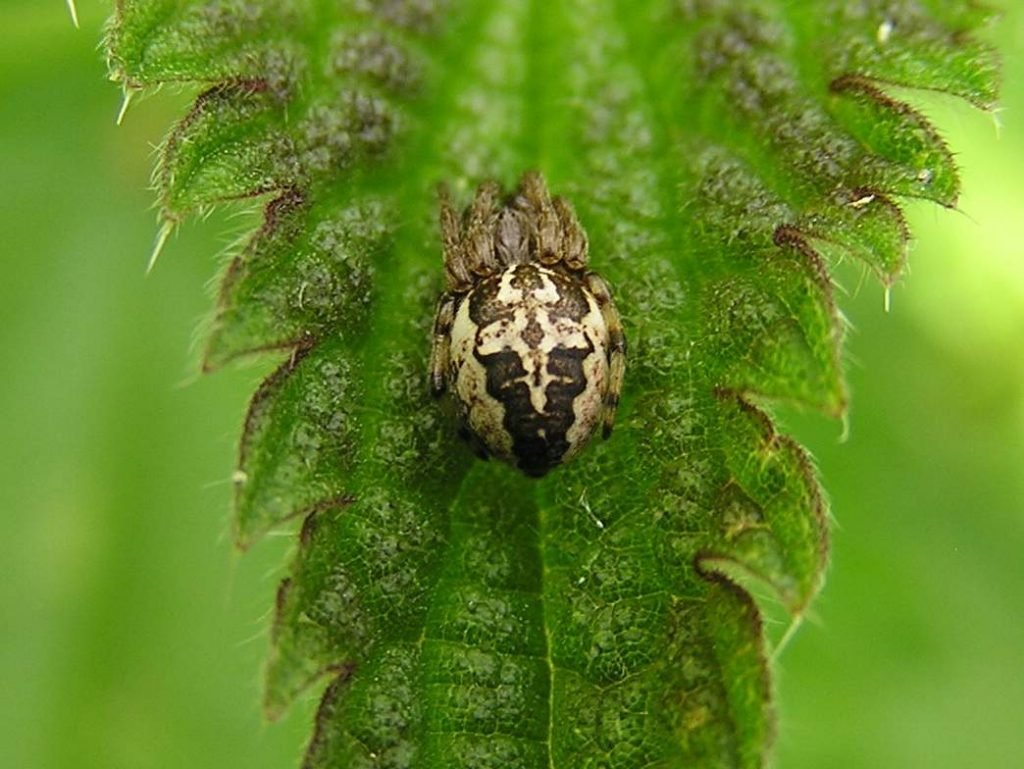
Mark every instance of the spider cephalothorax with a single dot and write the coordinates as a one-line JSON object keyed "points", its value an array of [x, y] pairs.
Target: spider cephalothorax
{"points": [[526, 338]]}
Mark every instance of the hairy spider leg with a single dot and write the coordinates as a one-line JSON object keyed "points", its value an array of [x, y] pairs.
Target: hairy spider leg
{"points": [[616, 348]]}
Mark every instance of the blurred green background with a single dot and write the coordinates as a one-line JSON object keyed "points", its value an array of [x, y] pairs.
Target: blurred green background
{"points": [[133, 635]]}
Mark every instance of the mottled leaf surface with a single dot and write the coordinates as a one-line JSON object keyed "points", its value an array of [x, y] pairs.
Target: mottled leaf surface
{"points": [[719, 154]]}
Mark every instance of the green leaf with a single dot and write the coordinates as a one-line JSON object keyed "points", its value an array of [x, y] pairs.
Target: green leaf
{"points": [[719, 154]]}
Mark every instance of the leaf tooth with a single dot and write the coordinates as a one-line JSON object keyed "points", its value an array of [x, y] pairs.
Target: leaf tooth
{"points": [[363, 585], [326, 717], [908, 45], [227, 147], [864, 223], [158, 41], [256, 419], [299, 432], [772, 339], [769, 508], [737, 643], [370, 716], [310, 271], [921, 163], [304, 668], [279, 217]]}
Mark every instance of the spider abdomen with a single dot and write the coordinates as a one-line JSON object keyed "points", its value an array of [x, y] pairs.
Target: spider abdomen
{"points": [[529, 365]]}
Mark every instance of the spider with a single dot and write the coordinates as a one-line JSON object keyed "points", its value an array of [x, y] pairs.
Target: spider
{"points": [[526, 338]]}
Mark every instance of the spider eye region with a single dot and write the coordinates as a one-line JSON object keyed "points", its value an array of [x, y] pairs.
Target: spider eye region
{"points": [[529, 366]]}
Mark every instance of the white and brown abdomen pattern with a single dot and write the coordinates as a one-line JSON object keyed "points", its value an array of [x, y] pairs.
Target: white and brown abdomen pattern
{"points": [[529, 362]]}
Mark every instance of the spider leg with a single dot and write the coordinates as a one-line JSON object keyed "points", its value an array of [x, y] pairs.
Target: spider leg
{"points": [[455, 266], [574, 239], [478, 239], [547, 227], [441, 349], [616, 347]]}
